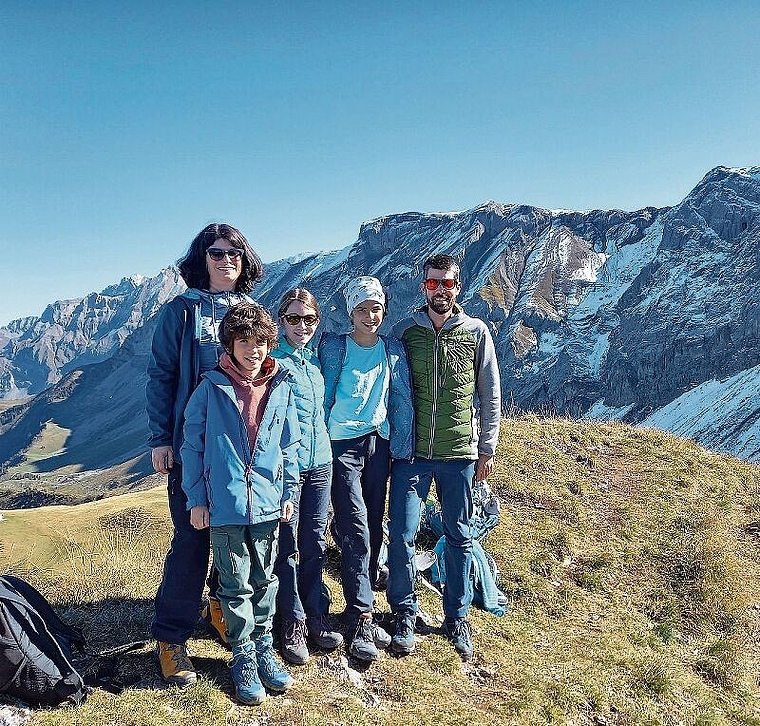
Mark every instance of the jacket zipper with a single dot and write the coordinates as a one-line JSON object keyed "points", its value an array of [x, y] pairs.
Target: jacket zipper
{"points": [[249, 465], [434, 408]]}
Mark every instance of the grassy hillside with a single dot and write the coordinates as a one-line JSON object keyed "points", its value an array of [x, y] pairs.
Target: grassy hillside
{"points": [[631, 560]]}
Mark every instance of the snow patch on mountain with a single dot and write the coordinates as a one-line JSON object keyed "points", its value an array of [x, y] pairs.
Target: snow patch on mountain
{"points": [[723, 415]]}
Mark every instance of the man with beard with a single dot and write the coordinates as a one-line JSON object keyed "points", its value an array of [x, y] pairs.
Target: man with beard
{"points": [[457, 407]]}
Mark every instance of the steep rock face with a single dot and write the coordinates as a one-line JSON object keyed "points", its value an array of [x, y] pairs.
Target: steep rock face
{"points": [[646, 315], [38, 352], [693, 312]]}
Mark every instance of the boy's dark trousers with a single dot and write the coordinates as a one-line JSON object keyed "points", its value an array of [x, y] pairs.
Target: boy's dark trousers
{"points": [[178, 599]]}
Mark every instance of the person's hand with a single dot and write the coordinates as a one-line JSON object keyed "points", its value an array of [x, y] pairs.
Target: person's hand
{"points": [[162, 458], [484, 467], [199, 516], [287, 511]]}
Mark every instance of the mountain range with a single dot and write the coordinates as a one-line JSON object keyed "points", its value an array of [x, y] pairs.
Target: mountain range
{"points": [[650, 316]]}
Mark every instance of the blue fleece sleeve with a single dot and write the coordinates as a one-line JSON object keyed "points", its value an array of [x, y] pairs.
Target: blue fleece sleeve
{"points": [[193, 446], [163, 372]]}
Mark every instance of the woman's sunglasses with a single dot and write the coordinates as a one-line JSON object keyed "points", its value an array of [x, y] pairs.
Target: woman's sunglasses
{"points": [[217, 253], [447, 283], [308, 320]]}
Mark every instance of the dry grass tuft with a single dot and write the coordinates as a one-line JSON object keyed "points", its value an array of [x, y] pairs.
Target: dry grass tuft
{"points": [[631, 560]]}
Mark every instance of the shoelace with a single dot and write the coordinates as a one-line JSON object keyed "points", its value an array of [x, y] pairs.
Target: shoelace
{"points": [[461, 629], [365, 629], [295, 631], [267, 662], [403, 628], [248, 670], [179, 656]]}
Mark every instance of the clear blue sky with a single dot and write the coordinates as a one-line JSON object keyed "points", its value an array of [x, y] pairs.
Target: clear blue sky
{"points": [[127, 127]]}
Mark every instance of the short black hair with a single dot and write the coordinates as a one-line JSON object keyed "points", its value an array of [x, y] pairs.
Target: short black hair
{"points": [[247, 320], [193, 267], [441, 262]]}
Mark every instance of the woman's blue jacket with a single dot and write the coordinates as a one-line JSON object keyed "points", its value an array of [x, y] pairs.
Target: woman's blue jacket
{"points": [[332, 354], [219, 470], [174, 368], [309, 389]]}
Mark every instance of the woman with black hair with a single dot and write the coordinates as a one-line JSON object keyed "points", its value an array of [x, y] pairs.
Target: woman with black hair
{"points": [[219, 269]]}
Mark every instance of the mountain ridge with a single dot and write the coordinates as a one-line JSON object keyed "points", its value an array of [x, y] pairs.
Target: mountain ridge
{"points": [[601, 314]]}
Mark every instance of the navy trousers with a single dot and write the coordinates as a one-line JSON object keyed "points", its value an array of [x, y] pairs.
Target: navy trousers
{"points": [[360, 485], [302, 547], [178, 599]]}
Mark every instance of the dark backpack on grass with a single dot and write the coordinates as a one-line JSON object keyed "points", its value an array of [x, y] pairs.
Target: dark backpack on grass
{"points": [[35, 648]]}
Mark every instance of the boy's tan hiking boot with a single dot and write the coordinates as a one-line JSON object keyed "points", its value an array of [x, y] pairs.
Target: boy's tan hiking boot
{"points": [[176, 668], [213, 618]]}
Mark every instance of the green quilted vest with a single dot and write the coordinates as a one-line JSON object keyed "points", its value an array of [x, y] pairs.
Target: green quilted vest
{"points": [[443, 376]]}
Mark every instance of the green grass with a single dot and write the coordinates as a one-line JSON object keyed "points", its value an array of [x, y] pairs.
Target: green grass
{"points": [[631, 560], [49, 442]]}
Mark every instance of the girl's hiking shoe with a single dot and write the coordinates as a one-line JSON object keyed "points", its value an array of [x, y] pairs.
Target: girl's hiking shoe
{"points": [[459, 633], [403, 641], [321, 633], [245, 675], [368, 636], [176, 668], [293, 641], [213, 618], [271, 673]]}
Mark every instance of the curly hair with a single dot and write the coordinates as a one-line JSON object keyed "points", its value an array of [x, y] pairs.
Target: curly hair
{"points": [[247, 320], [193, 267], [298, 294]]}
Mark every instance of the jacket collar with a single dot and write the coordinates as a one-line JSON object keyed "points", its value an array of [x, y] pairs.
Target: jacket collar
{"points": [[423, 319], [307, 352]]}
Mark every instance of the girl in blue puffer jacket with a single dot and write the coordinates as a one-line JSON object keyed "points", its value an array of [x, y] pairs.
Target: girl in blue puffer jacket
{"points": [[301, 605]]}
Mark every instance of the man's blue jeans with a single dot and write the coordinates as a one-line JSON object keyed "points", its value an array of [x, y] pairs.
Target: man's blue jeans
{"points": [[410, 484], [302, 547]]}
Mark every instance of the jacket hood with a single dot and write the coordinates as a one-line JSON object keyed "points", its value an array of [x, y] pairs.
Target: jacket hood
{"points": [[269, 369]]}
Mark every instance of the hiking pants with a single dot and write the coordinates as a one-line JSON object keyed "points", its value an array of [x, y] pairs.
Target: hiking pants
{"points": [[178, 600], [302, 546], [244, 556], [410, 484], [360, 484]]}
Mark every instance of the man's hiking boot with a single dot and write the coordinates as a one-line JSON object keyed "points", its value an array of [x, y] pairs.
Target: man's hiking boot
{"points": [[213, 618], [293, 641], [245, 675], [271, 673], [321, 633], [175, 666], [368, 636], [403, 641], [459, 633]]}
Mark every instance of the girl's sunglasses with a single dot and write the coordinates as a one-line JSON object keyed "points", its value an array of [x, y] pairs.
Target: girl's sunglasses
{"points": [[217, 253], [447, 283], [308, 320]]}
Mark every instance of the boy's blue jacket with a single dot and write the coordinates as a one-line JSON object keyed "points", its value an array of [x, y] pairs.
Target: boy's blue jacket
{"points": [[332, 354], [218, 468], [309, 389], [174, 367]]}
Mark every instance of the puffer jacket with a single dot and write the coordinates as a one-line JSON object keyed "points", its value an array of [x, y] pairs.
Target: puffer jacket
{"points": [[309, 388], [457, 390], [219, 470], [332, 354]]}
